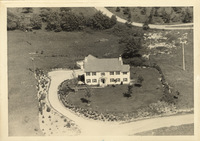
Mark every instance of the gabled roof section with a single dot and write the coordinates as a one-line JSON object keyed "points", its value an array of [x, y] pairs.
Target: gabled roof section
{"points": [[93, 64]]}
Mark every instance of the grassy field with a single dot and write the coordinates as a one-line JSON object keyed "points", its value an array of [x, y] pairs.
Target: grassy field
{"points": [[187, 129], [171, 65], [141, 96], [60, 50]]}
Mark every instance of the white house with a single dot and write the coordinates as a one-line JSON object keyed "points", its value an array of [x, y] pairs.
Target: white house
{"points": [[105, 71]]}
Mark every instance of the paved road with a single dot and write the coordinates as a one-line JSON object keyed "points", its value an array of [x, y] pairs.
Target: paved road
{"points": [[153, 26], [99, 128]]}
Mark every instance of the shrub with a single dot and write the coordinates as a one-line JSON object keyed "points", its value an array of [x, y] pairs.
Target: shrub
{"points": [[68, 125], [48, 109], [42, 97]]}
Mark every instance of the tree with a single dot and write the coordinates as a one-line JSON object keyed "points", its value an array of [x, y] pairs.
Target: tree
{"points": [[65, 9], [117, 9], [187, 16], [146, 25], [12, 25], [71, 21], [99, 21], [129, 17], [53, 22], [87, 95], [166, 17], [36, 22], [126, 11], [27, 10], [129, 92], [132, 47], [143, 11]]}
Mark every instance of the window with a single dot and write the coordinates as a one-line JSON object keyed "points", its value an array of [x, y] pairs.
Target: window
{"points": [[112, 80], [94, 80], [88, 80], [112, 73], [103, 73], [93, 73], [117, 72], [118, 79], [125, 79], [124, 73], [87, 73]]}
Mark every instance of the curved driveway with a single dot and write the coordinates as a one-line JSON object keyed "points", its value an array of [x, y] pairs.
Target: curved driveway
{"points": [[153, 26], [99, 128]]}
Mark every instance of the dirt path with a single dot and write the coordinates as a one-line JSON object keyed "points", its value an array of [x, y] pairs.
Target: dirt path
{"points": [[92, 127], [153, 26]]}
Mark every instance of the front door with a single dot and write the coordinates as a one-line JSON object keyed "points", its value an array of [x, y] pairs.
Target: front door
{"points": [[103, 81]]}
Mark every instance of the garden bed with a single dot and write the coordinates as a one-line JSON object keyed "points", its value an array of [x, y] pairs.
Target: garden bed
{"points": [[51, 121]]}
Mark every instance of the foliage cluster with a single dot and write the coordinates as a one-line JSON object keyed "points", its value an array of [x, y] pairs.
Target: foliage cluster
{"points": [[69, 21]]}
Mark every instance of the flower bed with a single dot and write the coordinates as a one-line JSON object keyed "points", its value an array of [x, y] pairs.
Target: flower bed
{"points": [[51, 122]]}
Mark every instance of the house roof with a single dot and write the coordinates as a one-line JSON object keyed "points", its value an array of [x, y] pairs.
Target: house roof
{"points": [[93, 64]]}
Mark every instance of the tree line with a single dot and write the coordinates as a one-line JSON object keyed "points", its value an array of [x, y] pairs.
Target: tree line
{"points": [[63, 20]]}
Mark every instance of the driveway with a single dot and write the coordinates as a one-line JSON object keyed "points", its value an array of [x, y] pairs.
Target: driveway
{"points": [[153, 26], [99, 128]]}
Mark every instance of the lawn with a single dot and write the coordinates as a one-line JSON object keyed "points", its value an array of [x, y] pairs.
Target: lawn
{"points": [[111, 100], [184, 130], [60, 50]]}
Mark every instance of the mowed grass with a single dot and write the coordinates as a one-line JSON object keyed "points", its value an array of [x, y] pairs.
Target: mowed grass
{"points": [[111, 99], [184, 130], [172, 67], [60, 50]]}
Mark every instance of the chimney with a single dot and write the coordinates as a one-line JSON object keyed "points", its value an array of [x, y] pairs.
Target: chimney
{"points": [[120, 59]]}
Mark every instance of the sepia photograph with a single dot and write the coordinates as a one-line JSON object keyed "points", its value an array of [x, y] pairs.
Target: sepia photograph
{"points": [[100, 71]]}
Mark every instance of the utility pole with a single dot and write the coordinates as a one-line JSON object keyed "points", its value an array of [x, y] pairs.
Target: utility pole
{"points": [[183, 41], [183, 56]]}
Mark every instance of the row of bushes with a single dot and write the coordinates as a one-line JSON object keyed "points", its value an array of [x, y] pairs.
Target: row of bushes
{"points": [[154, 109], [169, 95], [65, 20]]}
